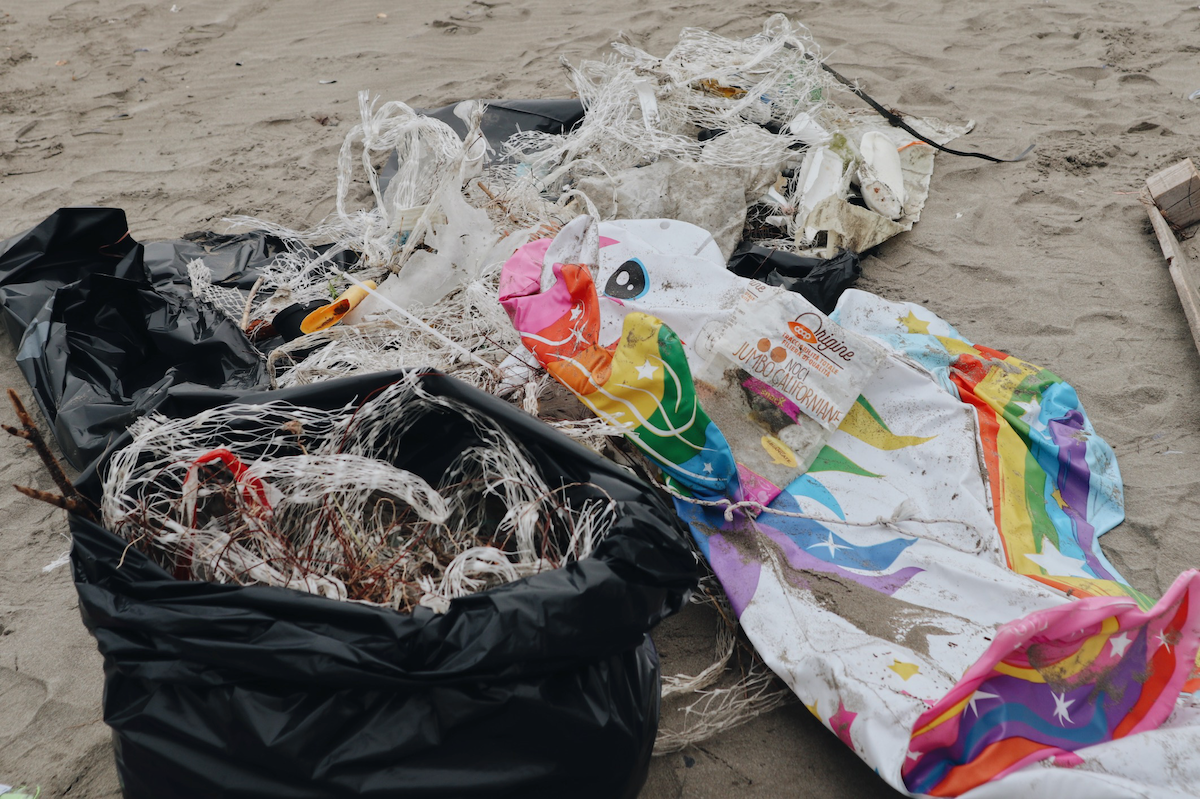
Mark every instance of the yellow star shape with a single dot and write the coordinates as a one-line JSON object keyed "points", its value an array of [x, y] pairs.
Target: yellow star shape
{"points": [[905, 670], [915, 324], [813, 709], [1062, 503]]}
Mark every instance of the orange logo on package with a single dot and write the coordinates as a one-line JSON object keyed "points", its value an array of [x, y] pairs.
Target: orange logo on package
{"points": [[801, 332]]}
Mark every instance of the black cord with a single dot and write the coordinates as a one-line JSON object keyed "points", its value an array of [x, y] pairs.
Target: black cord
{"points": [[896, 121]]}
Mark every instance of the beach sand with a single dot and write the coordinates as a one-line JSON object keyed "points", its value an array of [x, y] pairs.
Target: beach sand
{"points": [[183, 115]]}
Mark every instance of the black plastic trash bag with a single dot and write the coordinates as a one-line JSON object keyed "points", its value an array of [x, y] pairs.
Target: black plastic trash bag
{"points": [[820, 281], [98, 340], [105, 327], [548, 686]]}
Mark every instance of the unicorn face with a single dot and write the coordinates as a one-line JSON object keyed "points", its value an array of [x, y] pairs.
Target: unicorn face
{"points": [[665, 268]]}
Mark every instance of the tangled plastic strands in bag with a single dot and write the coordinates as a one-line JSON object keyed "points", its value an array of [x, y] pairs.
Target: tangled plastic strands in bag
{"points": [[290, 496], [384, 344], [472, 320], [641, 108]]}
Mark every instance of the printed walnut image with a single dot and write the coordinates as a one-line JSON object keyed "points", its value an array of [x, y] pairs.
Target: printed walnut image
{"points": [[778, 354]]}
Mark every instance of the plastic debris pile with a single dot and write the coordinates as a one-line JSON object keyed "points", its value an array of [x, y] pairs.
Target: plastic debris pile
{"points": [[742, 137], [743, 140], [902, 526], [522, 669]]}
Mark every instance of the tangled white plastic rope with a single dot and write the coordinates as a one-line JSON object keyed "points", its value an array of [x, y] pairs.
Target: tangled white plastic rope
{"points": [[290, 496], [641, 108]]}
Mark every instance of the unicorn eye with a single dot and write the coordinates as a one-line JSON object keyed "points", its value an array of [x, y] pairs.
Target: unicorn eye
{"points": [[629, 282]]}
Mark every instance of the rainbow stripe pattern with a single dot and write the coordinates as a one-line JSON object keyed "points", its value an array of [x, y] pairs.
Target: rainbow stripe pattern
{"points": [[1059, 680]]}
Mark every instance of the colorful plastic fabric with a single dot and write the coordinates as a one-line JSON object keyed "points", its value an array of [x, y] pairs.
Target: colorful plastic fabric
{"points": [[933, 587], [642, 382]]}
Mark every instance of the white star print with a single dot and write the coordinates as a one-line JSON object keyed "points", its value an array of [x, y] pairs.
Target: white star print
{"points": [[913, 754], [830, 545], [1162, 640], [646, 371], [708, 468], [980, 695], [575, 312], [1054, 562], [578, 335], [1119, 644], [1061, 703], [1032, 415]]}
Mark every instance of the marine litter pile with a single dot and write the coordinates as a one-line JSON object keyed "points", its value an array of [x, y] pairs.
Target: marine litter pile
{"points": [[744, 138], [900, 526]]}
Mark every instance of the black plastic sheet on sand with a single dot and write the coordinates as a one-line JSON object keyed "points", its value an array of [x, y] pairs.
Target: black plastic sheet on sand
{"points": [[546, 687], [105, 327], [820, 281]]}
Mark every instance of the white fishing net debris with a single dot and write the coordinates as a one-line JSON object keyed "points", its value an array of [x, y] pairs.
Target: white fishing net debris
{"points": [[290, 496], [481, 339], [641, 108], [714, 710], [470, 317], [431, 158], [229, 302], [434, 230]]}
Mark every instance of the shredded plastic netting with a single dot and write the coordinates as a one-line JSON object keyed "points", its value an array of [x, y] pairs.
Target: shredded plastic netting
{"points": [[282, 495], [744, 95], [641, 108], [442, 226], [470, 318]]}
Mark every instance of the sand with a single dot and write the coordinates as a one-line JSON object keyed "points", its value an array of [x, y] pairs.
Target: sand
{"points": [[183, 115]]}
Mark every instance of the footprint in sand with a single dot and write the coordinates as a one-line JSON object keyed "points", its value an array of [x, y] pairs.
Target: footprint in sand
{"points": [[451, 28]]}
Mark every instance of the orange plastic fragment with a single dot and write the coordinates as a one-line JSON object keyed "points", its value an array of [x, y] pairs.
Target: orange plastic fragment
{"points": [[329, 315]]}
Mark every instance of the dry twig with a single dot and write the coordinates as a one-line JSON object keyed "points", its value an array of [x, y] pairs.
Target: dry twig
{"points": [[70, 499]]}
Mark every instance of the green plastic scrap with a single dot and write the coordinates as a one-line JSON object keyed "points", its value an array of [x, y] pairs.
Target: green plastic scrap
{"points": [[20, 792]]}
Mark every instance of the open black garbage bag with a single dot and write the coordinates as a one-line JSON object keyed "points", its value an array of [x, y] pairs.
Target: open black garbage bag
{"points": [[820, 281], [548, 686], [106, 327]]}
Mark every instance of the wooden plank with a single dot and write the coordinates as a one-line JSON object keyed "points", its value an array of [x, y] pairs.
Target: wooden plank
{"points": [[1183, 271], [1176, 192]]}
